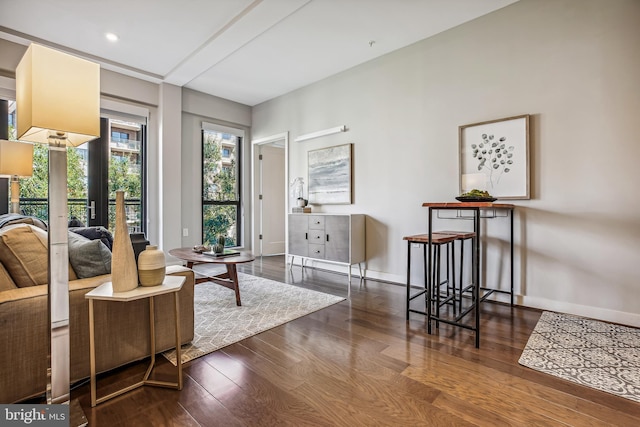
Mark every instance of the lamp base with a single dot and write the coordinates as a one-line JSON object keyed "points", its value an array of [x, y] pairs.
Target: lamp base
{"points": [[15, 195]]}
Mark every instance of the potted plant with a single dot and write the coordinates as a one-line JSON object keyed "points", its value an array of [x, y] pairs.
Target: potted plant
{"points": [[219, 246]]}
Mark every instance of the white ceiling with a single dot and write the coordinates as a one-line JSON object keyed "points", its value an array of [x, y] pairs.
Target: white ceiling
{"points": [[247, 51]]}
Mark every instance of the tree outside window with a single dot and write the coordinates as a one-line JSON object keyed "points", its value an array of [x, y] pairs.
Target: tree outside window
{"points": [[220, 188]]}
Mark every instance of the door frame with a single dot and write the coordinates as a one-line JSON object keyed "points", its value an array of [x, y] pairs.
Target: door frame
{"points": [[255, 186]]}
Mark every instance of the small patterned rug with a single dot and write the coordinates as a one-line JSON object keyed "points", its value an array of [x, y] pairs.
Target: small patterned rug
{"points": [[265, 305], [596, 354]]}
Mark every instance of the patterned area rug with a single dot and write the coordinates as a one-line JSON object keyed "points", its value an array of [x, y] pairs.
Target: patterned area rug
{"points": [[265, 305], [588, 352]]}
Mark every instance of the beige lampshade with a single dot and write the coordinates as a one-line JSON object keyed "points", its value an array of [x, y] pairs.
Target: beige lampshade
{"points": [[16, 158], [57, 94]]}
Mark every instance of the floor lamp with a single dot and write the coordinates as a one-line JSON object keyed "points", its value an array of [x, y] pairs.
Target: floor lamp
{"points": [[16, 161], [58, 103]]}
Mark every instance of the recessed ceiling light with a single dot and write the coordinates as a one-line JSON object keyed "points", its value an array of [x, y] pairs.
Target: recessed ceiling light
{"points": [[111, 37]]}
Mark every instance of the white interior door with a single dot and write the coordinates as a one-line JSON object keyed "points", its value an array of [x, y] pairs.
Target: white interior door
{"points": [[270, 197], [272, 183]]}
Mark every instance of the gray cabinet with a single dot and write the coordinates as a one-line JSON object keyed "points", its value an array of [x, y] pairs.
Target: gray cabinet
{"points": [[333, 238], [298, 239]]}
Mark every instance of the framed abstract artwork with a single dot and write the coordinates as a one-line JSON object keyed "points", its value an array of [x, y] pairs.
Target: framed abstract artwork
{"points": [[494, 156], [330, 175]]}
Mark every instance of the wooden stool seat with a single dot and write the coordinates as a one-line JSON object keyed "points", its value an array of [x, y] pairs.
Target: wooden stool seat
{"points": [[438, 239], [459, 234]]}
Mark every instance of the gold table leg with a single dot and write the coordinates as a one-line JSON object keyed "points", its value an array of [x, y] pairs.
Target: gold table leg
{"points": [[145, 381]]}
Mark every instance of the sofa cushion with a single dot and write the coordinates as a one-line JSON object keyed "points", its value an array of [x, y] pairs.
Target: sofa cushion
{"points": [[6, 282], [24, 253], [88, 257]]}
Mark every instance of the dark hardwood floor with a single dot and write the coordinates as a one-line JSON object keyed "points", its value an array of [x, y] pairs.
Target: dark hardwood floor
{"points": [[360, 363]]}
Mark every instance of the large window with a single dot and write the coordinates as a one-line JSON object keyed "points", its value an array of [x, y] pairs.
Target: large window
{"points": [[221, 208], [95, 170]]}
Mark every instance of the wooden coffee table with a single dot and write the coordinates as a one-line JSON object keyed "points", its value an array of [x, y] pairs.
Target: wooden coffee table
{"points": [[228, 279]]}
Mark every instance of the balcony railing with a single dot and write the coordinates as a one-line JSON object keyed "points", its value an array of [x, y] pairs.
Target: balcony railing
{"points": [[78, 208], [126, 144]]}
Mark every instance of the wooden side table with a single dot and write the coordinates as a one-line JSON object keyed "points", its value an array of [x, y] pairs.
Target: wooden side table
{"points": [[104, 292]]}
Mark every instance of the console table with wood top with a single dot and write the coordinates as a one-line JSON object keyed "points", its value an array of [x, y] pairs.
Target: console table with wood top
{"points": [[490, 210], [229, 279]]}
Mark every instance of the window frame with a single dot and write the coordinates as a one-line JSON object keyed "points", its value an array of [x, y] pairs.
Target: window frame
{"points": [[239, 134]]}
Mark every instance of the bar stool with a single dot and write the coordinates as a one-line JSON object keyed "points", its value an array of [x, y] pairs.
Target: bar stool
{"points": [[461, 236], [438, 239]]}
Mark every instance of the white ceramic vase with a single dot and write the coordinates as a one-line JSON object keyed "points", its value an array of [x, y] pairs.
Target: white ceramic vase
{"points": [[151, 266], [124, 272]]}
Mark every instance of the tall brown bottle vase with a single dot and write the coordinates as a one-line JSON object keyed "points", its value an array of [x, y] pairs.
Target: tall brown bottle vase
{"points": [[124, 272]]}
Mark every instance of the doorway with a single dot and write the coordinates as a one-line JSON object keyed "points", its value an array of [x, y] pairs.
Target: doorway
{"points": [[270, 201], [115, 161]]}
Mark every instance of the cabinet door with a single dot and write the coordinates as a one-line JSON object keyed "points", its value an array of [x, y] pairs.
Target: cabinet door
{"points": [[337, 232], [298, 229]]}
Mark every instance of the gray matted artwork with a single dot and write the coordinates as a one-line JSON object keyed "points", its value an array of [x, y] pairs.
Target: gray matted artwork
{"points": [[330, 175]]}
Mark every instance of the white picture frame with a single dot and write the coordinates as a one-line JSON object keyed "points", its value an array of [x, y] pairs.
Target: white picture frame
{"points": [[329, 172], [494, 157]]}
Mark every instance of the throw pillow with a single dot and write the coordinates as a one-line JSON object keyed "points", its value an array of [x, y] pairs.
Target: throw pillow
{"points": [[88, 258], [75, 222], [24, 254], [6, 282], [95, 232]]}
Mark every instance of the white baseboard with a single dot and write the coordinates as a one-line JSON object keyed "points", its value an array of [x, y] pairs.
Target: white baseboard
{"points": [[624, 318]]}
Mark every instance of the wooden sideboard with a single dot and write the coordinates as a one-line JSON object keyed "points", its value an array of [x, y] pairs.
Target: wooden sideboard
{"points": [[333, 238]]}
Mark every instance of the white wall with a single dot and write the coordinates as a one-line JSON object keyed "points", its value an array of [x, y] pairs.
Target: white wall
{"points": [[571, 64]]}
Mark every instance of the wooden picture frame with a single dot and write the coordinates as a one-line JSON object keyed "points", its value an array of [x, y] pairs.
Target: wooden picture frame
{"points": [[330, 175], [494, 156]]}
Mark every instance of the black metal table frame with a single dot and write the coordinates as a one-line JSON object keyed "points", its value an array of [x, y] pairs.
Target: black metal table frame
{"points": [[476, 257]]}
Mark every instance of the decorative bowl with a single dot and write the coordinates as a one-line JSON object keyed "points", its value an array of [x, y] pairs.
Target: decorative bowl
{"points": [[476, 199]]}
